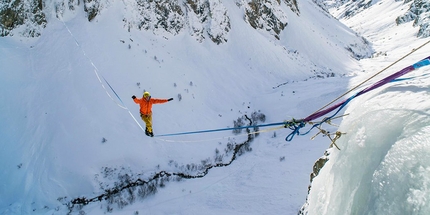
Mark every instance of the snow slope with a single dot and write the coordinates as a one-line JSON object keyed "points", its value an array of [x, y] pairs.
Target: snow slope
{"points": [[63, 137]]}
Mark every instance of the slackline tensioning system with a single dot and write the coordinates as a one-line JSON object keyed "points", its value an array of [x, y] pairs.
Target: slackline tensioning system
{"points": [[297, 124]]}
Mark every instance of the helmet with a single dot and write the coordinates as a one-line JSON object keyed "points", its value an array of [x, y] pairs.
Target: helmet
{"points": [[146, 94]]}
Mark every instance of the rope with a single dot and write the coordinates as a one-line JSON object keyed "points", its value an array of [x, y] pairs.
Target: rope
{"points": [[96, 71], [424, 62], [341, 105], [371, 77]]}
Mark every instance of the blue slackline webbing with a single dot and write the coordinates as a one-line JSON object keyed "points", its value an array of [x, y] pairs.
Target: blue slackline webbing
{"points": [[424, 62], [417, 65], [221, 129]]}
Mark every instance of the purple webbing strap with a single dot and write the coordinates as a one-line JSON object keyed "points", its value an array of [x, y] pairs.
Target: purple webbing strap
{"points": [[372, 87]]}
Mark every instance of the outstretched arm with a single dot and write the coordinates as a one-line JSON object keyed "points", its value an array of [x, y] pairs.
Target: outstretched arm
{"points": [[160, 101]]}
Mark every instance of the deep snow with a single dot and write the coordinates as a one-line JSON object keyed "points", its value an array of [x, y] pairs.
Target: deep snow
{"points": [[55, 114]]}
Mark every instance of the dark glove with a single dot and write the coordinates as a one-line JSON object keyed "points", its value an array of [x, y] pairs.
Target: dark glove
{"points": [[169, 99], [133, 97]]}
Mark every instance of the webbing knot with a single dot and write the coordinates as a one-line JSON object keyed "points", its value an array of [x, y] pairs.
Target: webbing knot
{"points": [[294, 125]]}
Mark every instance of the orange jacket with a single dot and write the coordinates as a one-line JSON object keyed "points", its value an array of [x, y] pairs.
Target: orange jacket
{"points": [[146, 106]]}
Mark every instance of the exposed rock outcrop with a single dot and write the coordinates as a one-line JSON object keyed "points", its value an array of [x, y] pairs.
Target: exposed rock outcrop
{"points": [[200, 18]]}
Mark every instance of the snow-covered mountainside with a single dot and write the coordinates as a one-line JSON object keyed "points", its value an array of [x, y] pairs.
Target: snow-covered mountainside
{"points": [[71, 137], [165, 18], [417, 12], [200, 18]]}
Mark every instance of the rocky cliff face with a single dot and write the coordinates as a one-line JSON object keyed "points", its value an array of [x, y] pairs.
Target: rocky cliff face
{"points": [[28, 16], [418, 12], [200, 18]]}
